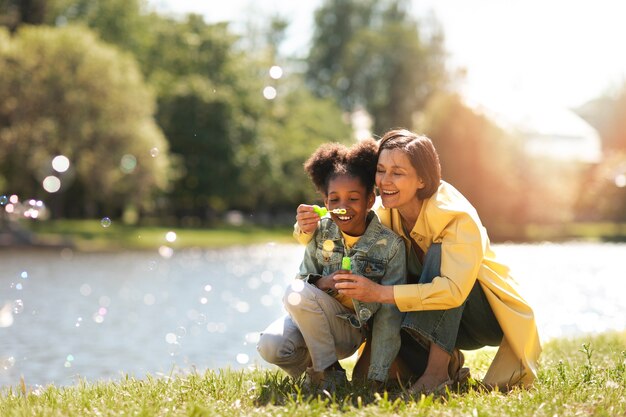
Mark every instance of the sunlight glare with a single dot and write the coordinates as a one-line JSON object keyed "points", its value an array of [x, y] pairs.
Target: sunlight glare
{"points": [[294, 298]]}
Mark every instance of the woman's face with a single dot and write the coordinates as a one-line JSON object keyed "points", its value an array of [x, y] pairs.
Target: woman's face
{"points": [[348, 193], [396, 179]]}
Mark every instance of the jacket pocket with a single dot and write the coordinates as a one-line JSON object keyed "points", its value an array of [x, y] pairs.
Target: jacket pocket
{"points": [[373, 269], [328, 258]]}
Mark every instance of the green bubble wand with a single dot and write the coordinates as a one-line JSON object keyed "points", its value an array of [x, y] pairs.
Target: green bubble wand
{"points": [[322, 211]]}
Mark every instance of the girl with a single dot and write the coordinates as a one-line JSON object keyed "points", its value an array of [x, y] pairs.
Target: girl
{"points": [[322, 326]]}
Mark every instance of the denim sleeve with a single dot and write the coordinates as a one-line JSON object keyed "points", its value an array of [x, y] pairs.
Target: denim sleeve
{"points": [[309, 264], [387, 320]]}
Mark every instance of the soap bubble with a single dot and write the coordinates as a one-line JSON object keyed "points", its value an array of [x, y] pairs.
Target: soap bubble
{"points": [[170, 236], [105, 222], [18, 306], [171, 338], [269, 93], [51, 184], [60, 163], [276, 72]]}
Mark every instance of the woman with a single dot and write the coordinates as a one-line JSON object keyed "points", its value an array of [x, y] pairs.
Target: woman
{"points": [[459, 296]]}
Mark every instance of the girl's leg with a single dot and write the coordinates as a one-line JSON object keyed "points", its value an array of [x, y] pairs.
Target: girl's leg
{"points": [[327, 336], [282, 344]]}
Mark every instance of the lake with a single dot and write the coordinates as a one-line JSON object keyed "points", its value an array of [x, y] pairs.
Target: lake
{"points": [[66, 316]]}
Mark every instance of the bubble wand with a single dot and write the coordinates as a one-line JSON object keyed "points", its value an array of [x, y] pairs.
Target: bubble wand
{"points": [[322, 211]]}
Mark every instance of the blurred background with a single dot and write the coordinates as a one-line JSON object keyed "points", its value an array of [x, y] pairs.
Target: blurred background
{"points": [[188, 113], [176, 126]]}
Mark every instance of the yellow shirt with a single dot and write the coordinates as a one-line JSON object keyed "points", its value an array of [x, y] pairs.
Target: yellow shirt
{"points": [[349, 241]]}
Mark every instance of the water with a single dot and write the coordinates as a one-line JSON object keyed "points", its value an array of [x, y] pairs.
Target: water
{"points": [[101, 316]]}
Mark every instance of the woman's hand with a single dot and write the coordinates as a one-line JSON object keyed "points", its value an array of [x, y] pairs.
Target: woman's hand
{"points": [[307, 218], [363, 289]]}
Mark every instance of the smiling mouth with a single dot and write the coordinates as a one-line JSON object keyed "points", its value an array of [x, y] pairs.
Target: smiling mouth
{"points": [[345, 218], [384, 192]]}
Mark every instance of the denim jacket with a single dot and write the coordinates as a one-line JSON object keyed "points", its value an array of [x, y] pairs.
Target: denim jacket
{"points": [[379, 255]]}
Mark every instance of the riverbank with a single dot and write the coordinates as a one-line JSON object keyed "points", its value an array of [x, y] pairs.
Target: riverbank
{"points": [[581, 376], [107, 235]]}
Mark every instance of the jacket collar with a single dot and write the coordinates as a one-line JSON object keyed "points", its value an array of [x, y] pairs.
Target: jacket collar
{"points": [[367, 240]]}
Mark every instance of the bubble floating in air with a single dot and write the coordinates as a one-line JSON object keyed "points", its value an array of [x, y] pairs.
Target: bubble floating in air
{"points": [[51, 184], [18, 306], [276, 72], [105, 222], [269, 93], [85, 290], [60, 163], [171, 338], [149, 299], [166, 252], [128, 163]]}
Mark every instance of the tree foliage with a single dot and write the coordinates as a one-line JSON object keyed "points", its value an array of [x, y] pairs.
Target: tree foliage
{"points": [[64, 92], [480, 159], [602, 195], [375, 55]]}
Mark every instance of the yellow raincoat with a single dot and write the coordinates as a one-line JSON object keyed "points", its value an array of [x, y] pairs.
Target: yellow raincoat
{"points": [[448, 218]]}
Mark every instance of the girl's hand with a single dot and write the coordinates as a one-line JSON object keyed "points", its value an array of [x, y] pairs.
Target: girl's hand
{"points": [[307, 218], [327, 282], [363, 289]]}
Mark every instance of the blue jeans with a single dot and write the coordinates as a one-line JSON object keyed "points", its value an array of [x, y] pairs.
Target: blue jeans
{"points": [[470, 326]]}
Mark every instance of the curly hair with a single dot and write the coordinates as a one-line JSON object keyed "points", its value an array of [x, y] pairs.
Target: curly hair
{"points": [[333, 159]]}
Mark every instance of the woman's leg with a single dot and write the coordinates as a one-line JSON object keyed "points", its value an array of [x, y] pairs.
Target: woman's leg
{"points": [[469, 326], [435, 330], [479, 326]]}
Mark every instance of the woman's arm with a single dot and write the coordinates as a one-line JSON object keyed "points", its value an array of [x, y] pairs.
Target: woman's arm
{"points": [[363, 289]]}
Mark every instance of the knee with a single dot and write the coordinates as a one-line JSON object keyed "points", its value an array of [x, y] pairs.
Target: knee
{"points": [[272, 347], [297, 295]]}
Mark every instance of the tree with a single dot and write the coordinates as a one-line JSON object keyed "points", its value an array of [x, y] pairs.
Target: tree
{"points": [[64, 92], [480, 159], [602, 196], [374, 55]]}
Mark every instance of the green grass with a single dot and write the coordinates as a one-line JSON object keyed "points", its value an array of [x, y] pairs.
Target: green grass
{"points": [[579, 377], [90, 235]]}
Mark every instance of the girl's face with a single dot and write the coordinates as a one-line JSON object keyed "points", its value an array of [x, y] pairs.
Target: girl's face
{"points": [[397, 179], [347, 192]]}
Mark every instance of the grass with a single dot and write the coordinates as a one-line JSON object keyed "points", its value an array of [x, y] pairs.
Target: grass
{"points": [[578, 377], [91, 235]]}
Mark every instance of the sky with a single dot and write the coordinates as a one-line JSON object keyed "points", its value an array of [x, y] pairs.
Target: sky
{"points": [[562, 52]]}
